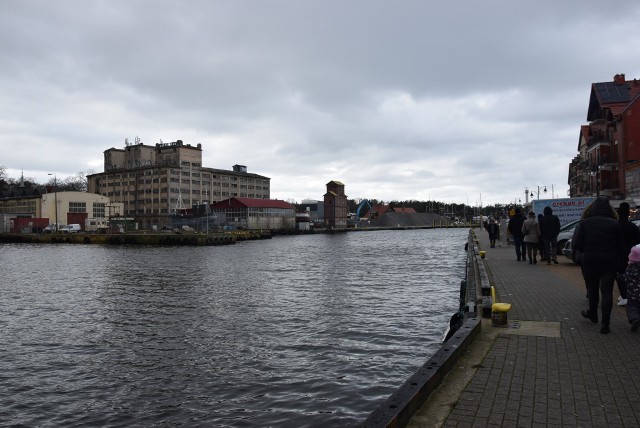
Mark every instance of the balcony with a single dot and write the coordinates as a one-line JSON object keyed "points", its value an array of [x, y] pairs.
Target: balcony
{"points": [[597, 144]]}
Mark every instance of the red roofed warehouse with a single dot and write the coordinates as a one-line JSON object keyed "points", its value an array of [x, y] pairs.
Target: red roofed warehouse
{"points": [[253, 213]]}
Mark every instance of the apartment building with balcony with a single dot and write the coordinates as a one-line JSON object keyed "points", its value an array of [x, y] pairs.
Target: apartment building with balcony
{"points": [[608, 160], [155, 182]]}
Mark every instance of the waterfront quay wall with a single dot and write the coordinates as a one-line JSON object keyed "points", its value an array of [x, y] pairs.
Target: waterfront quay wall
{"points": [[464, 326], [122, 239], [185, 238]]}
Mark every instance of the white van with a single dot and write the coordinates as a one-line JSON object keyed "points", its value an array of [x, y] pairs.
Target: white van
{"points": [[71, 228]]}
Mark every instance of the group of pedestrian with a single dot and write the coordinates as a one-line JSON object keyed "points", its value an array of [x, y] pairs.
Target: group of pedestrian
{"points": [[605, 242], [531, 236]]}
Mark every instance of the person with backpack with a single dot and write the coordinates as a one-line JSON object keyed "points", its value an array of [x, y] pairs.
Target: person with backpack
{"points": [[549, 229]]}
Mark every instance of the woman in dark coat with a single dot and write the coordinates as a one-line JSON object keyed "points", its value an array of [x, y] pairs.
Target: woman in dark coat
{"points": [[494, 232], [599, 238]]}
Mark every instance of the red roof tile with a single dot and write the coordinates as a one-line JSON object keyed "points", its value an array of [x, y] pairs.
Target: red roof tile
{"points": [[253, 203]]}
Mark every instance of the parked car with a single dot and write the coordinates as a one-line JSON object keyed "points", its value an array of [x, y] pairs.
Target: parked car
{"points": [[566, 250], [71, 228], [566, 233], [49, 229]]}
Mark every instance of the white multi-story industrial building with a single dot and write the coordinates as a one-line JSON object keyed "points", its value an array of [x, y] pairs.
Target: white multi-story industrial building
{"points": [[155, 182]]}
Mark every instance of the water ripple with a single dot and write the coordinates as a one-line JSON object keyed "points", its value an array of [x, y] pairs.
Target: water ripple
{"points": [[294, 331]]}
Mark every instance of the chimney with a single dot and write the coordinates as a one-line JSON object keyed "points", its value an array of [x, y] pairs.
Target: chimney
{"points": [[618, 79]]}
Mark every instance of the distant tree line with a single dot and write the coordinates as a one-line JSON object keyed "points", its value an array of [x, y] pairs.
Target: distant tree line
{"points": [[76, 182], [448, 210]]}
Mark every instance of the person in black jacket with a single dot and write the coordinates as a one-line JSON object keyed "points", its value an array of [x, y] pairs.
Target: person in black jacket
{"points": [[631, 235], [515, 230], [494, 232], [599, 238], [550, 228]]}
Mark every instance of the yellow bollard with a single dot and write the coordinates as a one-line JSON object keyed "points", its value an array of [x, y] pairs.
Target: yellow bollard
{"points": [[482, 254]]}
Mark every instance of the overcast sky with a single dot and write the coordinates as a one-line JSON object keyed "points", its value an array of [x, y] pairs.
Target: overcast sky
{"points": [[457, 101]]}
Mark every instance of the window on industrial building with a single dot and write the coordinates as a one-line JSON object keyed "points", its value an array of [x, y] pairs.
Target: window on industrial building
{"points": [[99, 209], [77, 207]]}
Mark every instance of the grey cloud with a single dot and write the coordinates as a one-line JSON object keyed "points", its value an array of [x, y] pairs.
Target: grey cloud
{"points": [[395, 99]]}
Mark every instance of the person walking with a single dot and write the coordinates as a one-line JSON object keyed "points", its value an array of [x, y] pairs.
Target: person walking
{"points": [[515, 230], [494, 232], [631, 235], [632, 279], [599, 238], [549, 229], [543, 256], [531, 232]]}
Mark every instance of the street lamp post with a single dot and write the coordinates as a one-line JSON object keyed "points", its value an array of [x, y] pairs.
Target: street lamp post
{"points": [[538, 194], [55, 196]]}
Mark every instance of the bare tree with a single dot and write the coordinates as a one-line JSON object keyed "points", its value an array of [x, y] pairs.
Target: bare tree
{"points": [[77, 183], [3, 178]]}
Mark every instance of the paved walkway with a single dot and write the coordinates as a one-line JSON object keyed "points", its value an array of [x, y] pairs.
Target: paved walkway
{"points": [[550, 367]]}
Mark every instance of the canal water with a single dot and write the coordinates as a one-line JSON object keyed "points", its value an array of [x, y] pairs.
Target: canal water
{"points": [[313, 330]]}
